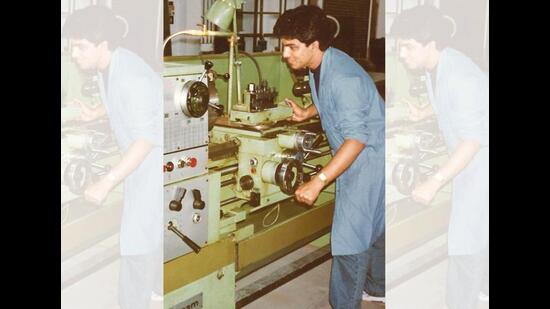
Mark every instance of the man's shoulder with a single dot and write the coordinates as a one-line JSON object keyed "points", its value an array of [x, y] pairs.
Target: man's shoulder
{"points": [[344, 66], [460, 65], [128, 61], [132, 67], [339, 57]]}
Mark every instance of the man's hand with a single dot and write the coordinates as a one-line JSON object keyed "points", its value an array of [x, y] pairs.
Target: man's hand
{"points": [[97, 192], [298, 113], [308, 192], [88, 113], [425, 192]]}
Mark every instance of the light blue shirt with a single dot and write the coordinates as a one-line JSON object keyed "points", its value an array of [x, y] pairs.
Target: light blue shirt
{"points": [[351, 108], [133, 100], [461, 103]]}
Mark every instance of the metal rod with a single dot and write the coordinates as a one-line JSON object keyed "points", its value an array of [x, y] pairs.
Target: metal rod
{"points": [[315, 151], [229, 201], [196, 248], [309, 165], [324, 153], [204, 21], [228, 182], [230, 70], [426, 166], [238, 68], [198, 33], [370, 27], [229, 169]]}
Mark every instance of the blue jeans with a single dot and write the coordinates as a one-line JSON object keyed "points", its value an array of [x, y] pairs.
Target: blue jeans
{"points": [[139, 276], [353, 274], [467, 275]]}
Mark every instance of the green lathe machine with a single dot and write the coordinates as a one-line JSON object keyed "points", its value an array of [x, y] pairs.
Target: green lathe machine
{"points": [[230, 172]]}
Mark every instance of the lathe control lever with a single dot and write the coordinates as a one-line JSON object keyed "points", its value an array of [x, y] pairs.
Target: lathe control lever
{"points": [[198, 203], [175, 204], [185, 239]]}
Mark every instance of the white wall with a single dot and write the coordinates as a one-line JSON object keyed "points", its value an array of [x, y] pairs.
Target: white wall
{"points": [[187, 14], [380, 22]]}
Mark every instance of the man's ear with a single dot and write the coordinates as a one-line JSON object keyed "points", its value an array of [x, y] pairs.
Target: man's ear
{"points": [[104, 45], [432, 45], [315, 45]]}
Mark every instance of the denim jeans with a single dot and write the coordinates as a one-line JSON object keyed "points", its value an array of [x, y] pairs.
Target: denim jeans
{"points": [[352, 274], [466, 277], [139, 276]]}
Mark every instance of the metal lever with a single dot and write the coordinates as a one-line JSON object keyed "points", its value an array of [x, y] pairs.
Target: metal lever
{"points": [[185, 239], [316, 168], [308, 152], [315, 143], [175, 204], [198, 203], [207, 66], [216, 107]]}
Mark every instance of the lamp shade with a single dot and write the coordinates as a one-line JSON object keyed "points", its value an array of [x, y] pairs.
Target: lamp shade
{"points": [[221, 13]]}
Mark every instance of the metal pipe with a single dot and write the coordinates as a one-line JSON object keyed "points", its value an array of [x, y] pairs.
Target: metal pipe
{"points": [[238, 69], [229, 169], [315, 151], [311, 166], [228, 182], [238, 64], [230, 80], [324, 153], [204, 10], [197, 33], [370, 27], [229, 201]]}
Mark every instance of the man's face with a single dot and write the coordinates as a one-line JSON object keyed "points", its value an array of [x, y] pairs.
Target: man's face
{"points": [[413, 54], [297, 54], [86, 54]]}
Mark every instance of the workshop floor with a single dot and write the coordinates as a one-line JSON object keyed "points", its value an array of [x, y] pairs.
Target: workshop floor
{"points": [[308, 291], [427, 289]]}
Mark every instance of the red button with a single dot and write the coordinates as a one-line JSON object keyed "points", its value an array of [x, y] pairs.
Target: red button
{"points": [[169, 166], [193, 162]]}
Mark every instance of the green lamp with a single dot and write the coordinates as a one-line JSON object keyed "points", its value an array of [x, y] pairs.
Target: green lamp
{"points": [[222, 12]]}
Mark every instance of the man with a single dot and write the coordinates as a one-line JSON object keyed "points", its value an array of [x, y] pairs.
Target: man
{"points": [[132, 94], [458, 92], [352, 115]]}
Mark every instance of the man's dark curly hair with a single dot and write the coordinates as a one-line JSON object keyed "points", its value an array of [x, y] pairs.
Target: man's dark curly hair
{"points": [[423, 23], [96, 24], [307, 24]]}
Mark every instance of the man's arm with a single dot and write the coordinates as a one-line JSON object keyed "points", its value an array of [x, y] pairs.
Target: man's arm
{"points": [[459, 159], [131, 159], [470, 108], [344, 157], [301, 114]]}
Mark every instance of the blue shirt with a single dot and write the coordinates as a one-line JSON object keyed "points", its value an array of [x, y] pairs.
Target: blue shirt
{"points": [[351, 108], [133, 100], [461, 102]]}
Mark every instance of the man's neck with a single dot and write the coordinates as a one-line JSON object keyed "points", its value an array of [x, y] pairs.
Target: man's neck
{"points": [[433, 60], [105, 60], [316, 60]]}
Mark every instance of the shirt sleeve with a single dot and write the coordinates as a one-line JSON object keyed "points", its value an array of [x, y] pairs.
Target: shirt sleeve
{"points": [[143, 106], [470, 102], [358, 109]]}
